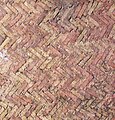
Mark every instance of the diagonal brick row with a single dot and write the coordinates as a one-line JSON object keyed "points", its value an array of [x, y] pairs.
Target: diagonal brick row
{"points": [[57, 59]]}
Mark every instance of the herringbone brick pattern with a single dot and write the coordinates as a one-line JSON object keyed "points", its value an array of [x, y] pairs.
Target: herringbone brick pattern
{"points": [[57, 59]]}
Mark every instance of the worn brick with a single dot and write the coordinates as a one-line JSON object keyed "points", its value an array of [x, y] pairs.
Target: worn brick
{"points": [[57, 59]]}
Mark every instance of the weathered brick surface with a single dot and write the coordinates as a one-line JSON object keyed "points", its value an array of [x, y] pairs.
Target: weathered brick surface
{"points": [[57, 59]]}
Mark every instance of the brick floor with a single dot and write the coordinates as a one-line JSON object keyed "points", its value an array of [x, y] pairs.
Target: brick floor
{"points": [[57, 59]]}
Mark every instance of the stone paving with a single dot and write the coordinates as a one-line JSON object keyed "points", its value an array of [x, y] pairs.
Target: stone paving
{"points": [[57, 59]]}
